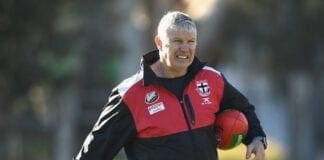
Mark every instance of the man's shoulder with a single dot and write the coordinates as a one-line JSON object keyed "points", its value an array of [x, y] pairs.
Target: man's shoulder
{"points": [[129, 82], [211, 69]]}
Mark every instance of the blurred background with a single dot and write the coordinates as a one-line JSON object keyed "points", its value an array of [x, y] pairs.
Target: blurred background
{"points": [[59, 59]]}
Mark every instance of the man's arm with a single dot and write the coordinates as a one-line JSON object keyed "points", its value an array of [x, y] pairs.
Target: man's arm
{"points": [[114, 128], [233, 99]]}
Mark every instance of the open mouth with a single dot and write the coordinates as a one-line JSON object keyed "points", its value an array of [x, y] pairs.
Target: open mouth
{"points": [[182, 57]]}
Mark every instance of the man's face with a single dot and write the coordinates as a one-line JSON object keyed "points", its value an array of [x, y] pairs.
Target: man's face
{"points": [[177, 48]]}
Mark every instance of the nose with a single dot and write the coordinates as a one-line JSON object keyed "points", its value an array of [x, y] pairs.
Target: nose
{"points": [[184, 47]]}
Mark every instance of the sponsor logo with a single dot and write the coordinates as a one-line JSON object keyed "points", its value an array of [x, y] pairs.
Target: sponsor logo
{"points": [[203, 88], [155, 108], [151, 97]]}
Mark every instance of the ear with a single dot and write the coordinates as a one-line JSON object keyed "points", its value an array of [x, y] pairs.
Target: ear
{"points": [[158, 42]]}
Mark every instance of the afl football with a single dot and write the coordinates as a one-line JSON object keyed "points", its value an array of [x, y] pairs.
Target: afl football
{"points": [[231, 127]]}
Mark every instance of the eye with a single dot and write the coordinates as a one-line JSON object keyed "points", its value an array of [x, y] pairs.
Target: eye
{"points": [[193, 40], [177, 41]]}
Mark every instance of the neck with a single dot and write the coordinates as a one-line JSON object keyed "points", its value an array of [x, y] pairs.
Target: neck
{"points": [[163, 71]]}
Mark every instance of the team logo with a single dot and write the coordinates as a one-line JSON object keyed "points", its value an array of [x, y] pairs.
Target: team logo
{"points": [[151, 97], [203, 88]]}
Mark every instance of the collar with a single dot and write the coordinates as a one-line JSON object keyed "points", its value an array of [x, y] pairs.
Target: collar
{"points": [[149, 76]]}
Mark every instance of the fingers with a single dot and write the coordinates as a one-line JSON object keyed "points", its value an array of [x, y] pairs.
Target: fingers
{"points": [[249, 152], [257, 149], [259, 154]]}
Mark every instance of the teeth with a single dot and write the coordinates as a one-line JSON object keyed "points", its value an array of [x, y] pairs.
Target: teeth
{"points": [[182, 57]]}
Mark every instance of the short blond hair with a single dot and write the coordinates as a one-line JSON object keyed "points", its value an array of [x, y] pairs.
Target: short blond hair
{"points": [[176, 20]]}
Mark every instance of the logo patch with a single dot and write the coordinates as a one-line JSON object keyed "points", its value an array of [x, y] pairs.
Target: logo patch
{"points": [[203, 88], [206, 101], [158, 107], [151, 97]]}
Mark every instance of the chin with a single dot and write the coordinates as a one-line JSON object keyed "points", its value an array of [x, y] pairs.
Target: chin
{"points": [[184, 66]]}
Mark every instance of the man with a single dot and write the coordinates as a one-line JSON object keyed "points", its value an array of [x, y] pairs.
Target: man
{"points": [[166, 111]]}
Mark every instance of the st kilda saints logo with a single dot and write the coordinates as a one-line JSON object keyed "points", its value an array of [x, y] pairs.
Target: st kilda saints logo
{"points": [[151, 97], [203, 88]]}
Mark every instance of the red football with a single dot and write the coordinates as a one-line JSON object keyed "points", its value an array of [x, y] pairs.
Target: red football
{"points": [[231, 127]]}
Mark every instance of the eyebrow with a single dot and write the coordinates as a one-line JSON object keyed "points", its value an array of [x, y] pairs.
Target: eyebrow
{"points": [[177, 38]]}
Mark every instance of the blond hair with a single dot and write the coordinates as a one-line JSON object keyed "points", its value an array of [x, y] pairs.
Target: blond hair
{"points": [[175, 20]]}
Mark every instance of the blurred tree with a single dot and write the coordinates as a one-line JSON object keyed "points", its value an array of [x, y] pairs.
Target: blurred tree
{"points": [[55, 61]]}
